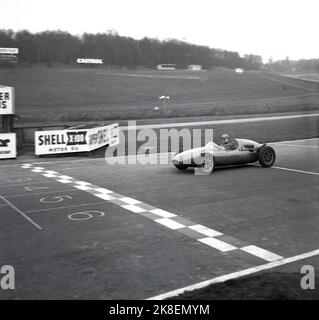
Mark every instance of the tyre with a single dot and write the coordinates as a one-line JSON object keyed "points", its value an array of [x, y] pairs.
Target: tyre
{"points": [[208, 165], [181, 166], [266, 156]]}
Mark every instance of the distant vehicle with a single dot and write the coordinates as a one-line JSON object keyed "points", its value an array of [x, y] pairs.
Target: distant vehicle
{"points": [[213, 155], [239, 70], [194, 67], [166, 66]]}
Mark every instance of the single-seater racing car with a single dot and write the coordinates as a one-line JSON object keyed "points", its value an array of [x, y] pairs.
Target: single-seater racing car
{"points": [[213, 155]]}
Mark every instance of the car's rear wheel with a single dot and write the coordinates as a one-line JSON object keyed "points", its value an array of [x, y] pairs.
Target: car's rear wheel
{"points": [[266, 156], [181, 166]]}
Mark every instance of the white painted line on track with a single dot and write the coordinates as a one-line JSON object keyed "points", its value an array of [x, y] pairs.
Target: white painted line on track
{"points": [[136, 206], [49, 175], [294, 145], [129, 200], [37, 169], [171, 224], [218, 244], [38, 193], [66, 177], [51, 172], [261, 253], [133, 208], [205, 231], [235, 275], [316, 140], [82, 187], [216, 122], [27, 165], [21, 213], [286, 169], [296, 170], [163, 213], [29, 183], [66, 207], [65, 180], [105, 196], [82, 183], [103, 190]]}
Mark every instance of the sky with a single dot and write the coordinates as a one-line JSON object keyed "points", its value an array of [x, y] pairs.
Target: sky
{"points": [[270, 28]]}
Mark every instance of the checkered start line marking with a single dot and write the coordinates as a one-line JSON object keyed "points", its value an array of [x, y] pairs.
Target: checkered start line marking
{"points": [[203, 234]]}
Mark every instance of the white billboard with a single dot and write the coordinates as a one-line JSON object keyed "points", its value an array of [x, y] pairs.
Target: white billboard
{"points": [[85, 60], [8, 146], [9, 50], [75, 139], [7, 105]]}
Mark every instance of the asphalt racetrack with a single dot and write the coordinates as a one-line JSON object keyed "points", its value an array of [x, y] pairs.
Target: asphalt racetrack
{"points": [[84, 229]]}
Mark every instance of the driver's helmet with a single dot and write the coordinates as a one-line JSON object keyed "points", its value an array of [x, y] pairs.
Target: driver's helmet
{"points": [[225, 138]]}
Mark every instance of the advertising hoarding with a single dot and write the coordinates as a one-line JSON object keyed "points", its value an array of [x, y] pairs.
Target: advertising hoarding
{"points": [[75, 139], [8, 145], [8, 58], [9, 50], [9, 55], [86, 60], [7, 98]]}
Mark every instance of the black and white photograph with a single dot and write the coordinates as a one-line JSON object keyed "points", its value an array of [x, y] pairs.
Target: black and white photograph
{"points": [[159, 151]]}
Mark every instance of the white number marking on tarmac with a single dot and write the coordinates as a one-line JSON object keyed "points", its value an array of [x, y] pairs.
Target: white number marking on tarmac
{"points": [[66, 207], [55, 199], [85, 215], [173, 223]]}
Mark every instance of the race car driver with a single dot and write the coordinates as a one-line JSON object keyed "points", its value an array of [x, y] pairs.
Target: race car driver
{"points": [[229, 144]]}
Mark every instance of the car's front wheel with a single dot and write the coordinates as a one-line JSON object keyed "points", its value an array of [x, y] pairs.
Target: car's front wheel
{"points": [[266, 156], [208, 165]]}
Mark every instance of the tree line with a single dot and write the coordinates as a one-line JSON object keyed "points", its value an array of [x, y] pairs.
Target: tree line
{"points": [[51, 47], [287, 65]]}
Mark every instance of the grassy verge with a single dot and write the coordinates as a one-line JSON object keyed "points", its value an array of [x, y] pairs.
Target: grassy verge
{"points": [[84, 94]]}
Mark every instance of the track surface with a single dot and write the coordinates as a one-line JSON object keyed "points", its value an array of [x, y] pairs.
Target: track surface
{"points": [[68, 239]]}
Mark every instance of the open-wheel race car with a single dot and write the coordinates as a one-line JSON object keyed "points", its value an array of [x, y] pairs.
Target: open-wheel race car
{"points": [[213, 155]]}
